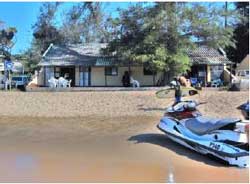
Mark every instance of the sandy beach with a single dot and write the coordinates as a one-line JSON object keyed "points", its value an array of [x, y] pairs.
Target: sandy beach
{"points": [[104, 137], [111, 104]]}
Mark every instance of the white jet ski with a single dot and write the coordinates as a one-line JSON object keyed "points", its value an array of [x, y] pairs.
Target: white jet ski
{"points": [[223, 138]]}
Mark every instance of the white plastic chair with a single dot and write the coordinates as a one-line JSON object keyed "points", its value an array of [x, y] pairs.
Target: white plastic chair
{"points": [[134, 83], [53, 83], [69, 83], [64, 82]]}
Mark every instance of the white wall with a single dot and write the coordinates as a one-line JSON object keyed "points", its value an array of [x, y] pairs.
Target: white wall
{"points": [[98, 76]]}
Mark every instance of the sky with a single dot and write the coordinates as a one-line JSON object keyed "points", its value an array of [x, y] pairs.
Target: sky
{"points": [[23, 15]]}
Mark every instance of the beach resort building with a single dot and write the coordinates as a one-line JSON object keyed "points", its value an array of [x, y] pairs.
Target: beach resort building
{"points": [[86, 66], [242, 68], [207, 63]]}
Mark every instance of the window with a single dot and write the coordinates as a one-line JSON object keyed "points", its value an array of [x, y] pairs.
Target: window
{"points": [[113, 71], [148, 71]]}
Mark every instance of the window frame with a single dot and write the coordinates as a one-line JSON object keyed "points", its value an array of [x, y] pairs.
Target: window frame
{"points": [[106, 72]]}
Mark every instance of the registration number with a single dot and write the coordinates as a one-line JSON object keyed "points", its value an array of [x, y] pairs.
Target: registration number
{"points": [[214, 146]]}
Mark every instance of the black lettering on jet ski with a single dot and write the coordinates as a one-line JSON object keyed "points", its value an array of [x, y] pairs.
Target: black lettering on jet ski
{"points": [[214, 146]]}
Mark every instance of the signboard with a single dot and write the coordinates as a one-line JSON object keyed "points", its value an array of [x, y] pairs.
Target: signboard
{"points": [[8, 65]]}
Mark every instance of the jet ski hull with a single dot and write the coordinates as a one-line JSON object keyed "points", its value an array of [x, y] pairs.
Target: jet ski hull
{"points": [[229, 153]]}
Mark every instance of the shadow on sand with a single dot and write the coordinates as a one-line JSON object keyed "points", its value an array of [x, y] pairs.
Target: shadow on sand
{"points": [[163, 141], [152, 109]]}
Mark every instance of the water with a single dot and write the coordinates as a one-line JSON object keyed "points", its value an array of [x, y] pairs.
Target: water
{"points": [[126, 149]]}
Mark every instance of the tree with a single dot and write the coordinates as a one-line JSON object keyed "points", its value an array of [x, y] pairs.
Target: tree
{"points": [[160, 35], [45, 32], [240, 34], [86, 22], [6, 39]]}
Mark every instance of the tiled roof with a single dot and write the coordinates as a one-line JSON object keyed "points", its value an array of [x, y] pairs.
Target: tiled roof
{"points": [[206, 55], [84, 55]]}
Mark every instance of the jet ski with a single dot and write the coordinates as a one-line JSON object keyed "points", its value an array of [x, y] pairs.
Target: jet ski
{"points": [[222, 138], [245, 109]]}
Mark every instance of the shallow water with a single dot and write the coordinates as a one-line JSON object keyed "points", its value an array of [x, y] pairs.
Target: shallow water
{"points": [[100, 149]]}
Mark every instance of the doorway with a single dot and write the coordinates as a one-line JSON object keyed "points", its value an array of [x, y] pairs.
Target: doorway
{"points": [[85, 76], [68, 73]]}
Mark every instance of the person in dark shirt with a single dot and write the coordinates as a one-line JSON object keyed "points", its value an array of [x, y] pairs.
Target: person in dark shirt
{"points": [[126, 79], [178, 92]]}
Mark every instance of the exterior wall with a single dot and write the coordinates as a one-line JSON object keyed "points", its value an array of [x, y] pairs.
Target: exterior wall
{"points": [[216, 71], [49, 72], [77, 75], [117, 79], [144, 80], [40, 77], [97, 76]]}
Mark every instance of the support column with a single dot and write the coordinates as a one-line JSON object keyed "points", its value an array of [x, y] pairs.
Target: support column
{"points": [[105, 76], [208, 73], [44, 75], [231, 73]]}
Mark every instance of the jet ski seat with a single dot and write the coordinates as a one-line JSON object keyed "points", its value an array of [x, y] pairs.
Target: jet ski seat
{"points": [[203, 125]]}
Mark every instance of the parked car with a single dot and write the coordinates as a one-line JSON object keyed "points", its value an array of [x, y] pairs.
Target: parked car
{"points": [[242, 74], [20, 81], [241, 80]]}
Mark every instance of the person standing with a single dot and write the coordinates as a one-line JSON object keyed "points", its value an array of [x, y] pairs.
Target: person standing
{"points": [[126, 79], [178, 92]]}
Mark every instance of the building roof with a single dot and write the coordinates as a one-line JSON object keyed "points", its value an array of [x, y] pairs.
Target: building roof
{"points": [[205, 55], [78, 55], [244, 64]]}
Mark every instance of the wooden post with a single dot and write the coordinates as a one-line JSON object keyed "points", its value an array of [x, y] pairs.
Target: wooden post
{"points": [[9, 80], [105, 76], [205, 70], [129, 68], [231, 73], [154, 79], [44, 75]]}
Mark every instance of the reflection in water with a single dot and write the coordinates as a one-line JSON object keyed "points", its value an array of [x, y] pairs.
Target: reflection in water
{"points": [[170, 172], [25, 162]]}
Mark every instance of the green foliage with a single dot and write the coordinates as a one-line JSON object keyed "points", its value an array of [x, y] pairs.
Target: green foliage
{"points": [[45, 32], [153, 39], [161, 34], [86, 22], [240, 34], [6, 39], [157, 35]]}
